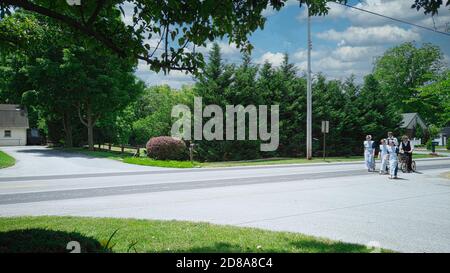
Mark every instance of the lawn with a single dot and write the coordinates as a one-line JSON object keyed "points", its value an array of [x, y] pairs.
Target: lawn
{"points": [[52, 233], [6, 160], [160, 163], [127, 157]]}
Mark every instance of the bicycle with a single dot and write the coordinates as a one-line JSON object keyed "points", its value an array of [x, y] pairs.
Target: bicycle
{"points": [[403, 163]]}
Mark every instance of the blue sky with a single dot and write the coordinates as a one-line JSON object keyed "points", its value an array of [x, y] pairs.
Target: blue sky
{"points": [[345, 42]]}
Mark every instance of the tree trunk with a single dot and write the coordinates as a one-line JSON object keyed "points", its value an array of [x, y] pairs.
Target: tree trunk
{"points": [[90, 127], [89, 123], [67, 130]]}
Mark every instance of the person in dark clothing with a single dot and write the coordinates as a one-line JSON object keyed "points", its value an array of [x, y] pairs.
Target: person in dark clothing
{"points": [[407, 148]]}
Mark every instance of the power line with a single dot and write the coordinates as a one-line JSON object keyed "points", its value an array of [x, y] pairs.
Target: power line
{"points": [[394, 19]]}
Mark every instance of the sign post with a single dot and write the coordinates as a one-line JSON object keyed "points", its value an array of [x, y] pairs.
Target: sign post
{"points": [[325, 131]]}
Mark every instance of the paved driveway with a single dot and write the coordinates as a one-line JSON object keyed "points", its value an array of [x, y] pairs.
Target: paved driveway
{"points": [[39, 160]]}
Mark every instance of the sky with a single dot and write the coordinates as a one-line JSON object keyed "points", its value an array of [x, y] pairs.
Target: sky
{"points": [[345, 42]]}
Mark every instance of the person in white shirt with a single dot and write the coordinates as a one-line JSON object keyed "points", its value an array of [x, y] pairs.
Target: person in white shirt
{"points": [[393, 159], [369, 153], [391, 137], [383, 155]]}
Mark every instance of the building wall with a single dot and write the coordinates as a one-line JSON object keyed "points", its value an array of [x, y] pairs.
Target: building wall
{"points": [[441, 139], [18, 137]]}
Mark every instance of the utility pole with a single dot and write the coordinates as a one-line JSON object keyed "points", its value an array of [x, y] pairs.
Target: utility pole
{"points": [[309, 95]]}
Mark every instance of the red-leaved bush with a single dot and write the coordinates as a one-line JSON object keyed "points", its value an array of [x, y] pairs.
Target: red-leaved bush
{"points": [[166, 148]]}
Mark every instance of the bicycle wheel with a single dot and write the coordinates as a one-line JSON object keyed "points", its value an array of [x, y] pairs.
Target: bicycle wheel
{"points": [[413, 165], [403, 167]]}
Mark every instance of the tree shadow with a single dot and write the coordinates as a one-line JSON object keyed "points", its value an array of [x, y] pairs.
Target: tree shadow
{"points": [[218, 247], [49, 152], [299, 246], [38, 240], [58, 152], [314, 246]]}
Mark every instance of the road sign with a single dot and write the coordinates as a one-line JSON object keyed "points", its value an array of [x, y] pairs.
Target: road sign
{"points": [[325, 126]]}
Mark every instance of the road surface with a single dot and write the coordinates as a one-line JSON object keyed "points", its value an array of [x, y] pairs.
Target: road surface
{"points": [[336, 201]]}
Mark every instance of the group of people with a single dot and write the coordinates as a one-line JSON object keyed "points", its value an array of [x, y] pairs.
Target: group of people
{"points": [[388, 151]]}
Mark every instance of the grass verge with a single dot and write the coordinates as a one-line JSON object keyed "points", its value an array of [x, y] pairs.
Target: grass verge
{"points": [[127, 157], [6, 160], [52, 233], [145, 161]]}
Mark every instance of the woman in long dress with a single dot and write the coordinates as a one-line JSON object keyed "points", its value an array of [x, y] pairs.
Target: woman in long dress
{"points": [[369, 152], [393, 160], [383, 155]]}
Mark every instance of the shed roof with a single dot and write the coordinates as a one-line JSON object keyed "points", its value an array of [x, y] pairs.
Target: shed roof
{"points": [[412, 120]]}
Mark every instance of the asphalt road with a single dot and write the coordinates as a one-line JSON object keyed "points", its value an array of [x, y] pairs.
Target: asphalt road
{"points": [[337, 201]]}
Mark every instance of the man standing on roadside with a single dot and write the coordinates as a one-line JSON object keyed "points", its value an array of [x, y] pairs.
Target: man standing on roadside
{"points": [[407, 148]]}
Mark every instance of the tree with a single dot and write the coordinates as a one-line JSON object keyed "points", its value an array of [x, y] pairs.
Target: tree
{"points": [[379, 113], [68, 76], [174, 24], [103, 84], [434, 100], [405, 68], [213, 86], [152, 111], [290, 95]]}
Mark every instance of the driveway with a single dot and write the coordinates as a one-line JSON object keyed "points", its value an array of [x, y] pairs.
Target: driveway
{"points": [[39, 160]]}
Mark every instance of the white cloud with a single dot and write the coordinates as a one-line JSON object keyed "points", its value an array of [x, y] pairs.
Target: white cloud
{"points": [[302, 54], [367, 37], [340, 62], [370, 35], [356, 53], [274, 58], [399, 9]]}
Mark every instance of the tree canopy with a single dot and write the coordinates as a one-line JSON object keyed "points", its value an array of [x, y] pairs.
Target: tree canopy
{"points": [[165, 34], [64, 76]]}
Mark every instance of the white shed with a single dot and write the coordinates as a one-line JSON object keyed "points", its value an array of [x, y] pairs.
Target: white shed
{"points": [[13, 125]]}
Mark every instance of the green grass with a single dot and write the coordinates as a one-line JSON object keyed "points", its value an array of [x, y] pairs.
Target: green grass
{"points": [[6, 160], [160, 163], [52, 233], [127, 157], [418, 156], [274, 161]]}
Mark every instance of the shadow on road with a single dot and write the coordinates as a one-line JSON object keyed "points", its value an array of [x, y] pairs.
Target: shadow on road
{"points": [[49, 152]]}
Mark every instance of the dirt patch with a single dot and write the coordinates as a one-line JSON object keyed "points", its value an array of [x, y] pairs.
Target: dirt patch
{"points": [[446, 175]]}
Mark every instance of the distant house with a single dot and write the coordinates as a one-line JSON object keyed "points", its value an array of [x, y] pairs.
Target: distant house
{"points": [[410, 123], [443, 136], [13, 125]]}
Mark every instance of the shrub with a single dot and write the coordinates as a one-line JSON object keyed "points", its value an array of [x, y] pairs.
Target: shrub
{"points": [[448, 145], [429, 144], [166, 148]]}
